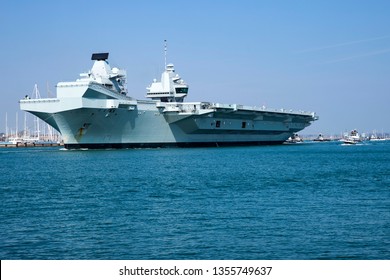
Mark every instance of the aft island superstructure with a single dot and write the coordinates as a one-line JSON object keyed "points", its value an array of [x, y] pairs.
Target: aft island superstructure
{"points": [[95, 111]]}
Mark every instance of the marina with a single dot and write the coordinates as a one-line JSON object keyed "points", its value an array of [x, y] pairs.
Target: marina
{"points": [[33, 134], [29, 144]]}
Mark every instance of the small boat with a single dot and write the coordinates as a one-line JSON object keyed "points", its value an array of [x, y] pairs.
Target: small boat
{"points": [[352, 138], [295, 138], [375, 137], [321, 138], [15, 140]]}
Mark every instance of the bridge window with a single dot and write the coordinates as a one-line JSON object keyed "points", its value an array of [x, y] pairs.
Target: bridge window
{"points": [[181, 90], [218, 124], [243, 125]]}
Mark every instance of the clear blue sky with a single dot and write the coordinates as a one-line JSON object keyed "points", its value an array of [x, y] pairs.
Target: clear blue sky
{"points": [[330, 56]]}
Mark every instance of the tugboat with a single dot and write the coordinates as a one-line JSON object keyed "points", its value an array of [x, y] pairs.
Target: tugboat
{"points": [[294, 139], [321, 138]]}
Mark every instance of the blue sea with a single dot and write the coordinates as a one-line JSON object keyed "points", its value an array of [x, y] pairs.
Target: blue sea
{"points": [[303, 201]]}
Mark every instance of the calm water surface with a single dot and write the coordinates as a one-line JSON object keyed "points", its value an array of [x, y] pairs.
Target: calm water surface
{"points": [[305, 201]]}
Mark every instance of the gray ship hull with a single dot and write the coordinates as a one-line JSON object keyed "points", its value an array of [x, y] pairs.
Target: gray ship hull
{"points": [[150, 124]]}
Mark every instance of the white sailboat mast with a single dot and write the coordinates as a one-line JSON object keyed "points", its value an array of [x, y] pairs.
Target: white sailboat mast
{"points": [[25, 126], [48, 90], [16, 132], [6, 125], [37, 95]]}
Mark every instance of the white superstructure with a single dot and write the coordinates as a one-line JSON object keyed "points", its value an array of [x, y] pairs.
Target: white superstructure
{"points": [[171, 88]]}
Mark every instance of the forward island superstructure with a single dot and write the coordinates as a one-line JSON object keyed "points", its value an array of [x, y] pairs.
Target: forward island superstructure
{"points": [[95, 111]]}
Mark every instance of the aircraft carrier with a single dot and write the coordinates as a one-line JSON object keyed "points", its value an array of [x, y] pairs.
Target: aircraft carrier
{"points": [[95, 112]]}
